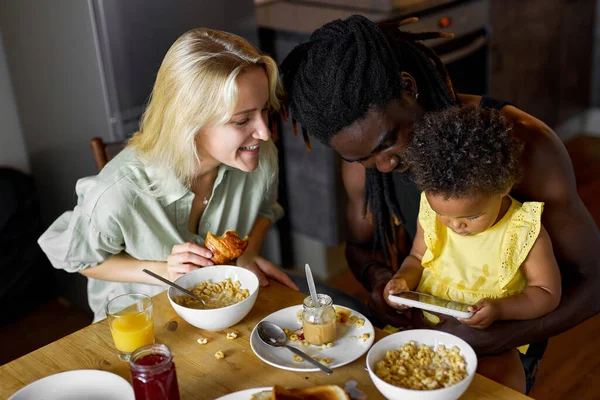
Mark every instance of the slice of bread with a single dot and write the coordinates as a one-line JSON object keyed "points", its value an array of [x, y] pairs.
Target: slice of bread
{"points": [[264, 395], [323, 392]]}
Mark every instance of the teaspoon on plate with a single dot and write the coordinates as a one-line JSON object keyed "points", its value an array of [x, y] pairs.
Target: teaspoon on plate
{"points": [[274, 336]]}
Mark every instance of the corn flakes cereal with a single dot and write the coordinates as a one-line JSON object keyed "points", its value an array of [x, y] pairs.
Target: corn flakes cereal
{"points": [[364, 337], [216, 295], [327, 345], [202, 340], [231, 335], [421, 368], [294, 337], [297, 358], [359, 323], [219, 355], [325, 361], [352, 319], [303, 343]]}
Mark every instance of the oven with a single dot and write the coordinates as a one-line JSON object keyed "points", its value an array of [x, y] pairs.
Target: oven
{"points": [[467, 55]]}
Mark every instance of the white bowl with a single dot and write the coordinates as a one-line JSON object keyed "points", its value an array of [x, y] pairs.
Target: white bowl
{"points": [[218, 318], [431, 338]]}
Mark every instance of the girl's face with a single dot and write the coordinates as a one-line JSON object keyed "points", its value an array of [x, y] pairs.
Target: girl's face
{"points": [[237, 142], [468, 215]]}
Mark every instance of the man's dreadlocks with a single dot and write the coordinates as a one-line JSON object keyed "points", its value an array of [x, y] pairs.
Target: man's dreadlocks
{"points": [[349, 67]]}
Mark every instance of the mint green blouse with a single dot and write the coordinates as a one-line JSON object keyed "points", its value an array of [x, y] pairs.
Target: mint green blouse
{"points": [[117, 212]]}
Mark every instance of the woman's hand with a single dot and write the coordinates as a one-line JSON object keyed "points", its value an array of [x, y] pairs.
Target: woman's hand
{"points": [[187, 257], [486, 313], [395, 285], [264, 270]]}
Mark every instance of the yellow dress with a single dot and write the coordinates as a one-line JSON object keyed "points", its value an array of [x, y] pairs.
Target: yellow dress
{"points": [[469, 268]]}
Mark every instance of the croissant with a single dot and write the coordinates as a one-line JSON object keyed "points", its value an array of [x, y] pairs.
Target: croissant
{"points": [[226, 247]]}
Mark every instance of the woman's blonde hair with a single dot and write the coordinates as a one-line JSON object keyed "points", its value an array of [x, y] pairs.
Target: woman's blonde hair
{"points": [[195, 88]]}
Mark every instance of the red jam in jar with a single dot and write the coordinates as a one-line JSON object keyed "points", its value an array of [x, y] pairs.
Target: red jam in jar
{"points": [[153, 373]]}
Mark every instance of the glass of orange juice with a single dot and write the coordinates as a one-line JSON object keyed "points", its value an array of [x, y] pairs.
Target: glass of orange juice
{"points": [[131, 324]]}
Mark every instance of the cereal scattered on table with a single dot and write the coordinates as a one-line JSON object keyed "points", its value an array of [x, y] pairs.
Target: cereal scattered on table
{"points": [[202, 340], [297, 358], [231, 335], [364, 337], [326, 361], [352, 319], [219, 355], [359, 323], [327, 345], [294, 337], [304, 343]]}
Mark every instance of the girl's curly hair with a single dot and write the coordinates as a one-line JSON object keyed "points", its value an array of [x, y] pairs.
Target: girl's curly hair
{"points": [[464, 150]]}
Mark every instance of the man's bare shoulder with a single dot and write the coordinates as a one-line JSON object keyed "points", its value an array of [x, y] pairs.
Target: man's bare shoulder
{"points": [[547, 170]]}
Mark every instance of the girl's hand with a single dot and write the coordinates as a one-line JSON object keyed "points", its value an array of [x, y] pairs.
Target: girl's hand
{"points": [[187, 257], [264, 270], [394, 286], [486, 312]]}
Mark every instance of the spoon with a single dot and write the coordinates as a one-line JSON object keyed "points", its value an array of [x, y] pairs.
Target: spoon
{"points": [[176, 286], [311, 286], [274, 336]]}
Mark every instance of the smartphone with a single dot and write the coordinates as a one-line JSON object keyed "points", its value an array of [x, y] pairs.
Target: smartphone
{"points": [[432, 303]]}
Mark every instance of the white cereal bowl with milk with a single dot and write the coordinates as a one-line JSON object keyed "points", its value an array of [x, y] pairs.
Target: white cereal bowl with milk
{"points": [[218, 318], [430, 338]]}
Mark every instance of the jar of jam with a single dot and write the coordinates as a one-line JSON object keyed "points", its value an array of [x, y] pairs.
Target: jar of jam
{"points": [[319, 322], [153, 373]]}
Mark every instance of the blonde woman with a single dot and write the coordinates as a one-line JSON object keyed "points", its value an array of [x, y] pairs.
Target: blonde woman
{"points": [[203, 160]]}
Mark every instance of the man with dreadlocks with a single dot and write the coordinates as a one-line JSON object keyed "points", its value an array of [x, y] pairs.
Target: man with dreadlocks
{"points": [[358, 88]]}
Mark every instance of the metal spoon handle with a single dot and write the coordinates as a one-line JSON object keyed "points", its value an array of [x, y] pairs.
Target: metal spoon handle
{"points": [[309, 359], [311, 286], [176, 286]]}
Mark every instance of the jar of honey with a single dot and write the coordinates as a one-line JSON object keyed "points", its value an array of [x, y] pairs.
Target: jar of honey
{"points": [[319, 322], [153, 373]]}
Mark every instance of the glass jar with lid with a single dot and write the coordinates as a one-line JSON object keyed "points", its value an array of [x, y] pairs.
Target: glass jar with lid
{"points": [[153, 373], [319, 322]]}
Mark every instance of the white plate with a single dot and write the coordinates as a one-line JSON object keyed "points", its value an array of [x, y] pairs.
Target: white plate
{"points": [[88, 384], [243, 394], [346, 348]]}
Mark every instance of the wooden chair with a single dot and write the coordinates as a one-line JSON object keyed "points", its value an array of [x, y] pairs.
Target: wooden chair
{"points": [[104, 152]]}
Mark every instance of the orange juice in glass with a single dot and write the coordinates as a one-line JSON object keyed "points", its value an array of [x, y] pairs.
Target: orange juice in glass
{"points": [[131, 324]]}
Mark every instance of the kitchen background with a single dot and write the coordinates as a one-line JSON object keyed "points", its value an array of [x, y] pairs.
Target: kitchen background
{"points": [[71, 70]]}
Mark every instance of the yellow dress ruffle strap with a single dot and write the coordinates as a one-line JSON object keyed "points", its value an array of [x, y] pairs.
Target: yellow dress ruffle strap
{"points": [[523, 230], [432, 229]]}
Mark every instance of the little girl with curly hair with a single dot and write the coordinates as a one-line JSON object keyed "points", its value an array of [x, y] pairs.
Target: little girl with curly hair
{"points": [[475, 243]]}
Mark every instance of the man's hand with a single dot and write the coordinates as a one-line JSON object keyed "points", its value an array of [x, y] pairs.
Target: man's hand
{"points": [[381, 312], [486, 313], [264, 270], [484, 342]]}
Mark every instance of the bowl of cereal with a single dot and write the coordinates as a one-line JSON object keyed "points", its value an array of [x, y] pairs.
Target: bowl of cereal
{"points": [[421, 364], [229, 293]]}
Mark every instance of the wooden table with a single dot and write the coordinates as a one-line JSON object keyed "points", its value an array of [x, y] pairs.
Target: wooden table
{"points": [[200, 374]]}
